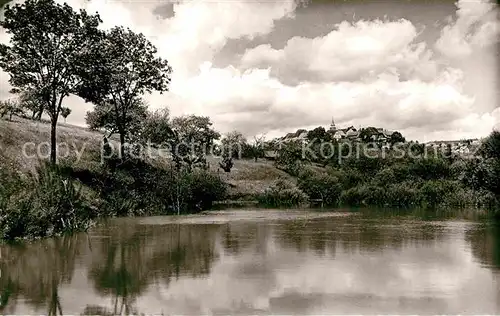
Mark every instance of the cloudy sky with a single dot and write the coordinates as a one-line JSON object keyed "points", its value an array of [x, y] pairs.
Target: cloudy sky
{"points": [[426, 68]]}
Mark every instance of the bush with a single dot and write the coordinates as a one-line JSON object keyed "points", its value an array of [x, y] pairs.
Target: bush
{"points": [[435, 192], [384, 178], [363, 195], [49, 204], [136, 187], [402, 195], [282, 193], [349, 178], [430, 169], [365, 164], [320, 186], [203, 189], [402, 172], [290, 158], [352, 197]]}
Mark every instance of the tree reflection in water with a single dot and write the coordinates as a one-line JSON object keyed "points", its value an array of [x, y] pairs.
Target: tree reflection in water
{"points": [[484, 240], [35, 271], [125, 264], [125, 260]]}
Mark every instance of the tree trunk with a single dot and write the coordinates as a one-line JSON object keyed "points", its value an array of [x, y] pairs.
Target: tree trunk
{"points": [[122, 145], [53, 124]]}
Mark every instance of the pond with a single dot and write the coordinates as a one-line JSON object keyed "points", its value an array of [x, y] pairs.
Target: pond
{"points": [[262, 262]]}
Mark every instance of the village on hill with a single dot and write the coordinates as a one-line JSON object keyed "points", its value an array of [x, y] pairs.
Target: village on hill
{"points": [[384, 138], [349, 133]]}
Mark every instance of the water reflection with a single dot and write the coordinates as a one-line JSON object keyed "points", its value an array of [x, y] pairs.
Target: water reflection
{"points": [[36, 271], [260, 262]]}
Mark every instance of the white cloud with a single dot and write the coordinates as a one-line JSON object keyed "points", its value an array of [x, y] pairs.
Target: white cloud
{"points": [[476, 26], [255, 102], [368, 73], [198, 30], [348, 52]]}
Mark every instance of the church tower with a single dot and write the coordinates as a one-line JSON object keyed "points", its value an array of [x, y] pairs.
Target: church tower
{"points": [[332, 128]]}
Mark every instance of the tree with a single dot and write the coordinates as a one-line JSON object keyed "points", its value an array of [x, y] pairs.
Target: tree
{"points": [[10, 107], [156, 127], [65, 112], [192, 137], [233, 144], [226, 164], [366, 134], [490, 147], [128, 68], [50, 46], [129, 126], [319, 133], [30, 102], [256, 148], [290, 158], [396, 138]]}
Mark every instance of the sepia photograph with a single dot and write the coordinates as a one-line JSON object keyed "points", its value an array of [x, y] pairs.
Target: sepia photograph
{"points": [[249, 157]]}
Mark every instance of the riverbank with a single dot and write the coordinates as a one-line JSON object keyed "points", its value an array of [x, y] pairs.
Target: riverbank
{"points": [[40, 200]]}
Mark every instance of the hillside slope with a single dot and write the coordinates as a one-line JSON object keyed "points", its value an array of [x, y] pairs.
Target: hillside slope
{"points": [[246, 177]]}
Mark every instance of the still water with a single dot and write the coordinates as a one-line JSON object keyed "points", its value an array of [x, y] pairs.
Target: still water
{"points": [[261, 262]]}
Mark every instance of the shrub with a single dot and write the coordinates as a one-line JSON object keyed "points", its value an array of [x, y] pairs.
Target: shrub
{"points": [[365, 164], [136, 187], [289, 158], [349, 178], [352, 197], [460, 197], [486, 199], [49, 204], [402, 194], [363, 195], [434, 192], [402, 172], [384, 178], [282, 193], [204, 188], [320, 186], [430, 169]]}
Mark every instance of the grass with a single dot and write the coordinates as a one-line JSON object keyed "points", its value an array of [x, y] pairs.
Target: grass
{"points": [[247, 179]]}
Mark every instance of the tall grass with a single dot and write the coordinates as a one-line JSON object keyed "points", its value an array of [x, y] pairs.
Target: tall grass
{"points": [[45, 203], [282, 194]]}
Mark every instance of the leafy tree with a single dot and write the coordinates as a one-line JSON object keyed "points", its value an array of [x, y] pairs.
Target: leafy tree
{"points": [[50, 46], [490, 147], [233, 144], [226, 164], [10, 108], [430, 168], [396, 138], [192, 137], [128, 68], [320, 185], [65, 112], [319, 134], [255, 149], [157, 127], [103, 116], [290, 158], [366, 134], [30, 102]]}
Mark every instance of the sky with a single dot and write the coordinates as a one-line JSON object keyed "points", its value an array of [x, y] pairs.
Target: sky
{"points": [[426, 68]]}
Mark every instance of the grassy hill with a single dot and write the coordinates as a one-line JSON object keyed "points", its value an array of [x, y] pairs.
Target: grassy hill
{"points": [[246, 178]]}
